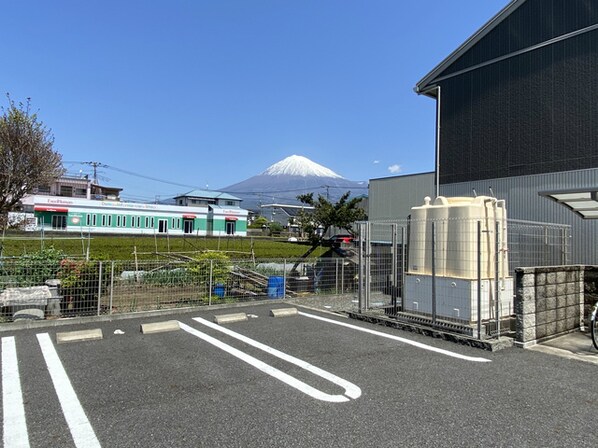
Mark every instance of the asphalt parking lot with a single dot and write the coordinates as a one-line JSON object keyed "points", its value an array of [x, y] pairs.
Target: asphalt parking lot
{"points": [[309, 380]]}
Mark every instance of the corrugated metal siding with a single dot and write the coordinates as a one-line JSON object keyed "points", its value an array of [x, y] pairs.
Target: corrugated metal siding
{"points": [[534, 22], [393, 197], [523, 202], [531, 114]]}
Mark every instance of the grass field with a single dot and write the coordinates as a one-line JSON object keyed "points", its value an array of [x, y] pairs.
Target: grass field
{"points": [[116, 247]]}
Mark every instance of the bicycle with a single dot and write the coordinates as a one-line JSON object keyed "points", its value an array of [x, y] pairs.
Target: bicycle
{"points": [[594, 325]]}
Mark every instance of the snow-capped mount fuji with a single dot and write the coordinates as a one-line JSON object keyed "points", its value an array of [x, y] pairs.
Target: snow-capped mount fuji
{"points": [[283, 181], [299, 166]]}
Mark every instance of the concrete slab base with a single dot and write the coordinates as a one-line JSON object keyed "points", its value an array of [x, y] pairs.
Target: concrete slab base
{"points": [[485, 344], [78, 336]]}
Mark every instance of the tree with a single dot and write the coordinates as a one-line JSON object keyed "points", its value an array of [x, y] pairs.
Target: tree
{"points": [[325, 215], [258, 223], [27, 158]]}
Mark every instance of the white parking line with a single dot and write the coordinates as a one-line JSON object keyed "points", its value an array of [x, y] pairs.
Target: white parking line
{"points": [[351, 391], [397, 338], [13, 410], [81, 430]]}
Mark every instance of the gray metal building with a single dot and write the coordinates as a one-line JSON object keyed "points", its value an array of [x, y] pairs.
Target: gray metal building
{"points": [[517, 115], [393, 197]]}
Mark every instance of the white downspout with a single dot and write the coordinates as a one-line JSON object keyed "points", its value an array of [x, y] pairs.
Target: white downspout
{"points": [[437, 168]]}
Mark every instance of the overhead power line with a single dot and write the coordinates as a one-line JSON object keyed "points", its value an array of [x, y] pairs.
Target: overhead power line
{"points": [[95, 165]]}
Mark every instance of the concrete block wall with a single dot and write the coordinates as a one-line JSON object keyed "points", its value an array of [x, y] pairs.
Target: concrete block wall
{"points": [[549, 301]]}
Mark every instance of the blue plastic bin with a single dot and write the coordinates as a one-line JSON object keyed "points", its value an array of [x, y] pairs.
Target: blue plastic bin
{"points": [[275, 287], [219, 290]]}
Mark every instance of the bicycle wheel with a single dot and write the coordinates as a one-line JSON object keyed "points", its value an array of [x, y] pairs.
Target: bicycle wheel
{"points": [[593, 326]]}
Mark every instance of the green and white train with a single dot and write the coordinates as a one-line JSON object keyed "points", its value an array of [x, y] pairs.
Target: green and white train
{"points": [[54, 213]]}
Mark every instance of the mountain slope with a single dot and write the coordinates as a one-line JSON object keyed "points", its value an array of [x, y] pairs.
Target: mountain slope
{"points": [[283, 181]]}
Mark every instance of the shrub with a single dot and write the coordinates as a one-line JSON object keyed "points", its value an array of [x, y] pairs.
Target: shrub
{"points": [[35, 268], [218, 262]]}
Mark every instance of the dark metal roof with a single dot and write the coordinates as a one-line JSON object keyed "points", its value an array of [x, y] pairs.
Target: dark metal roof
{"points": [[581, 201], [425, 85]]}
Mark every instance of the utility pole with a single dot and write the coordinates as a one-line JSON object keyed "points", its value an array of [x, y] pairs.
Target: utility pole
{"points": [[95, 166]]}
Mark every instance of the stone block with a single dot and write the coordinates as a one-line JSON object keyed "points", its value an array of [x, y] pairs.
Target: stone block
{"points": [[561, 277], [529, 320], [561, 314], [529, 334], [518, 279], [529, 294], [541, 318], [541, 304], [572, 312], [551, 315], [550, 290], [572, 323], [541, 292], [551, 329], [529, 307], [561, 326], [550, 303], [540, 331], [573, 299], [561, 289], [529, 280], [551, 278]]}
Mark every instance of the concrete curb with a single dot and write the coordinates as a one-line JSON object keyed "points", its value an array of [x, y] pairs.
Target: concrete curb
{"points": [[230, 318], [79, 336], [160, 327], [490, 344], [284, 312]]}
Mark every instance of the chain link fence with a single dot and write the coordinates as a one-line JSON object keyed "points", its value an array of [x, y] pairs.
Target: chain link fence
{"points": [[455, 273], [70, 287]]}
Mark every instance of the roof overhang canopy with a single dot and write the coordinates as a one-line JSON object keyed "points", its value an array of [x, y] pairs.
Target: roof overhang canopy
{"points": [[43, 208], [581, 201]]}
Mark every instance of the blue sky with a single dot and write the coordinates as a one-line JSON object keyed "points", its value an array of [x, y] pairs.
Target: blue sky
{"points": [[209, 93]]}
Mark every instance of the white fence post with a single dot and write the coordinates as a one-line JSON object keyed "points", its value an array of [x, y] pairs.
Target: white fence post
{"points": [[99, 288]]}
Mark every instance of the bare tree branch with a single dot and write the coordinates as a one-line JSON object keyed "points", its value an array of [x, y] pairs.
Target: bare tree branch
{"points": [[27, 157]]}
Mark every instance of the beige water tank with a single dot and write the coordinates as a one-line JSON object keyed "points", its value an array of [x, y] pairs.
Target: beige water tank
{"points": [[437, 222], [462, 247], [417, 238], [456, 240]]}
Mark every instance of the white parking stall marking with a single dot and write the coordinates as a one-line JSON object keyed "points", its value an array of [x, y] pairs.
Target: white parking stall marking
{"points": [[81, 430], [397, 338], [351, 391], [13, 409]]}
